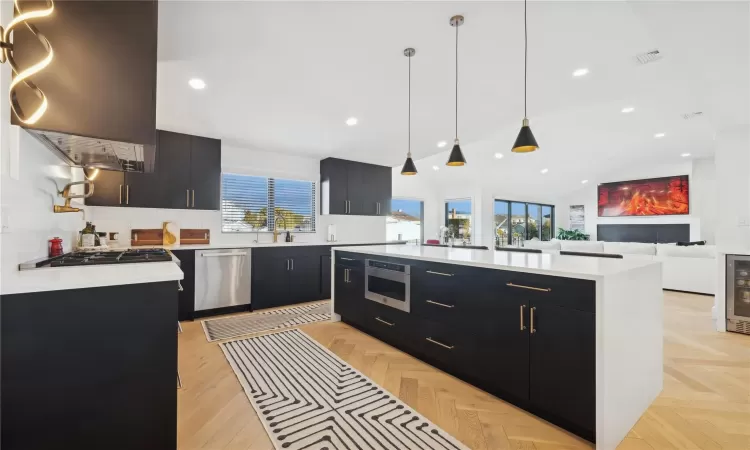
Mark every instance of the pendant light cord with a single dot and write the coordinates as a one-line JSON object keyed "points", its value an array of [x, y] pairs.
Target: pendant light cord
{"points": [[525, 57], [409, 151], [456, 82]]}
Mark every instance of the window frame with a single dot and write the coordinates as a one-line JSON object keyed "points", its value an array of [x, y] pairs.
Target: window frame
{"points": [[271, 203], [526, 219], [421, 213], [472, 222]]}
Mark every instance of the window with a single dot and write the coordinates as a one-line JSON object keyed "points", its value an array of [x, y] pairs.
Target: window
{"points": [[406, 221], [458, 220], [246, 202], [516, 222]]}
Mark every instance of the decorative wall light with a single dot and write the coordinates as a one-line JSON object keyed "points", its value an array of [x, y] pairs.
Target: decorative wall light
{"points": [[409, 167], [457, 157], [525, 142], [24, 76]]}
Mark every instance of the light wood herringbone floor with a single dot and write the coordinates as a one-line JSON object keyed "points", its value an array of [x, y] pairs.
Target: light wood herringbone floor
{"points": [[705, 403]]}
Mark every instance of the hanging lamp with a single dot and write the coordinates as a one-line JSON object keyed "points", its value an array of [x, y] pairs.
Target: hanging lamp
{"points": [[409, 167], [457, 157], [525, 142]]}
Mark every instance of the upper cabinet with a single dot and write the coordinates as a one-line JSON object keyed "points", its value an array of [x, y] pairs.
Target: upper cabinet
{"points": [[354, 188], [187, 176]]}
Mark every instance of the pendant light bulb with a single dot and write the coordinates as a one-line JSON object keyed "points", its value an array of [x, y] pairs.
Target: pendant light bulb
{"points": [[456, 158], [525, 142], [409, 167]]}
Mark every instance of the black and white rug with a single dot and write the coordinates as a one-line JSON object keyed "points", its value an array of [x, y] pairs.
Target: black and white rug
{"points": [[236, 326], [308, 398]]}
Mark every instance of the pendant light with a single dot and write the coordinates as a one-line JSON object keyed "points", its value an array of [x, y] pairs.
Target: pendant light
{"points": [[457, 157], [409, 167], [525, 142]]}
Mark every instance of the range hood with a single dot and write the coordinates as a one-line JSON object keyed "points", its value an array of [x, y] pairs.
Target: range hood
{"points": [[101, 84]]}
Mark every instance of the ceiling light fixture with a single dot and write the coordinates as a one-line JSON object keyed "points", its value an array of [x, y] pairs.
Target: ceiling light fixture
{"points": [[544, 171], [351, 121], [197, 83], [435, 168], [525, 142], [499, 155], [580, 72], [584, 181], [628, 109], [659, 135], [442, 144], [685, 155], [457, 157], [409, 167], [7, 53]]}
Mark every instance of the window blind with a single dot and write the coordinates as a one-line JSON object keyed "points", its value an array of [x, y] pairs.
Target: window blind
{"points": [[252, 203]]}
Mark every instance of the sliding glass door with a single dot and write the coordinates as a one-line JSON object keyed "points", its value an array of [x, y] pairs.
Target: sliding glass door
{"points": [[516, 222]]}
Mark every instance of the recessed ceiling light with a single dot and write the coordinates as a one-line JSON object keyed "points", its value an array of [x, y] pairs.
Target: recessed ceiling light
{"points": [[499, 155], [351, 121], [544, 170], [584, 181], [628, 109], [197, 83], [442, 144], [435, 168], [685, 155], [659, 135], [580, 72]]}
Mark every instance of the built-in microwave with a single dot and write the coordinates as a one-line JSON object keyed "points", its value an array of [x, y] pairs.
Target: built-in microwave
{"points": [[388, 284]]}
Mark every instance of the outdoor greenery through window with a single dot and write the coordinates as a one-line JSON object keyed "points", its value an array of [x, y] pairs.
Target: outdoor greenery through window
{"points": [[406, 221], [516, 222], [458, 220], [255, 204]]}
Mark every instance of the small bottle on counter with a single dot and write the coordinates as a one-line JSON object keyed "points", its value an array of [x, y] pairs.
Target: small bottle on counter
{"points": [[288, 236], [88, 236]]}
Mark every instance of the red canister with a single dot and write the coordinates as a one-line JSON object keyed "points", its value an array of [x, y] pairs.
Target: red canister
{"points": [[55, 247]]}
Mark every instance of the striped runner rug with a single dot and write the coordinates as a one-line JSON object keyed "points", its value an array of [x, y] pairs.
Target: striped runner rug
{"points": [[259, 322], [308, 398]]}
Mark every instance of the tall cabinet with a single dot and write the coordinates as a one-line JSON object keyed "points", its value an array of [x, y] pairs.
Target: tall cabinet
{"points": [[354, 188]]}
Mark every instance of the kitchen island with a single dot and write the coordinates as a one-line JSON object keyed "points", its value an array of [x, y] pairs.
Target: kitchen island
{"points": [[575, 340]]}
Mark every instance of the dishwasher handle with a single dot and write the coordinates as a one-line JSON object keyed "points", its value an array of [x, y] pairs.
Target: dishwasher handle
{"points": [[214, 255]]}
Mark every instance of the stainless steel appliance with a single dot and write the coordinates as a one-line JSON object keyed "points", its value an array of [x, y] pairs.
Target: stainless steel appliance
{"points": [[222, 278], [738, 294], [388, 284]]}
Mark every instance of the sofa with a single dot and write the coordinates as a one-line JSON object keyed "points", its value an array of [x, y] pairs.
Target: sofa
{"points": [[689, 269]]}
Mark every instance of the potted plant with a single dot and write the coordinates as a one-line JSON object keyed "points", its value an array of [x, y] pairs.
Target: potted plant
{"points": [[571, 235]]}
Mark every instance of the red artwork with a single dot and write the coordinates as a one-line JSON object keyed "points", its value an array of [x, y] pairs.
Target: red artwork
{"points": [[654, 197]]}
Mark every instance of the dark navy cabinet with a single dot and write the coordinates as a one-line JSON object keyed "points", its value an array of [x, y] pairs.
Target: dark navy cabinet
{"points": [[354, 188]]}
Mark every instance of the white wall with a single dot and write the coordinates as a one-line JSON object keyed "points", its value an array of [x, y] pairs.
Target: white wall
{"points": [[702, 191], [733, 188], [248, 162]]}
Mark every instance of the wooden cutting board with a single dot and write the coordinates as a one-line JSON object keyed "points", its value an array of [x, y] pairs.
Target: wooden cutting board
{"points": [[143, 237]]}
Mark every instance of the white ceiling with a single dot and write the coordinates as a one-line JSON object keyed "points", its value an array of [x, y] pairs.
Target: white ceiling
{"points": [[284, 77]]}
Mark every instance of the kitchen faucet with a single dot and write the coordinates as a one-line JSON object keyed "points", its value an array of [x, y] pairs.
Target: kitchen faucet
{"points": [[276, 216], [65, 193]]}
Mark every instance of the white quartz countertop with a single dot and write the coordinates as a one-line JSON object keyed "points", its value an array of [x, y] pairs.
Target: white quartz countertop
{"points": [[61, 278], [251, 245], [542, 263]]}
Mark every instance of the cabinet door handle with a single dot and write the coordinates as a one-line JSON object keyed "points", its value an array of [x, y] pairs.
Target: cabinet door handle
{"points": [[523, 327], [193, 198], [529, 287], [383, 321], [292, 260], [121, 194], [440, 273], [187, 198], [440, 304], [348, 259], [449, 347], [127, 194], [287, 264], [533, 330]]}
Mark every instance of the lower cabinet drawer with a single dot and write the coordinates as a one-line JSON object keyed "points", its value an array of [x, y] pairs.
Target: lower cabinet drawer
{"points": [[389, 324]]}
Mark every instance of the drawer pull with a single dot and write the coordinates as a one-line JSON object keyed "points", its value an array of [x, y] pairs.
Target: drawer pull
{"points": [[449, 347], [523, 327], [383, 321], [529, 287], [440, 304], [533, 330], [348, 259], [440, 273]]}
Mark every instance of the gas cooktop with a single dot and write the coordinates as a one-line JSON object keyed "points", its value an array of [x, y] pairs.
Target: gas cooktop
{"points": [[102, 257]]}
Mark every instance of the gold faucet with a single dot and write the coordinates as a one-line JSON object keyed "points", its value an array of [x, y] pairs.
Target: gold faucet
{"points": [[66, 195], [276, 233]]}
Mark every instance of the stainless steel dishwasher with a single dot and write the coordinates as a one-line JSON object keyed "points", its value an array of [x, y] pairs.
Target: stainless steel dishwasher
{"points": [[222, 278]]}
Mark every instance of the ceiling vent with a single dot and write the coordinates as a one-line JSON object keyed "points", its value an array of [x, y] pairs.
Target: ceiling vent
{"points": [[648, 57], [692, 115]]}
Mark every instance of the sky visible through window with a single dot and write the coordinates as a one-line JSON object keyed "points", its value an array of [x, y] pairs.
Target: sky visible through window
{"points": [[410, 207], [461, 206]]}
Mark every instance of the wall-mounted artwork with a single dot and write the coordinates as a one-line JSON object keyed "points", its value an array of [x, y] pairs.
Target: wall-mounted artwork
{"points": [[577, 218], [652, 197]]}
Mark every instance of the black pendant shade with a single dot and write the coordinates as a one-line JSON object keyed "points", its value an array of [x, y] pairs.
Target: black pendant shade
{"points": [[409, 167], [525, 142], [457, 156]]}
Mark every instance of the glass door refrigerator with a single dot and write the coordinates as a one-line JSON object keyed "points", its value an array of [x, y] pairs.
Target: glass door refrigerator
{"points": [[738, 294]]}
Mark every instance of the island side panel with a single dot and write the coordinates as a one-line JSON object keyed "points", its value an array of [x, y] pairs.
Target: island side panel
{"points": [[630, 350], [334, 317]]}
